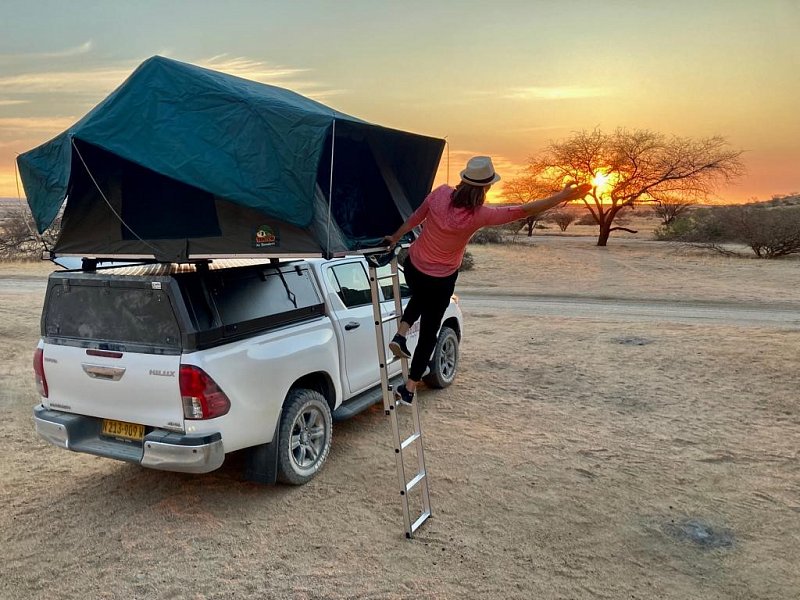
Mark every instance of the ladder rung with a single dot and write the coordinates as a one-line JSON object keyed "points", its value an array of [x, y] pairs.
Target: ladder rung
{"points": [[410, 485], [422, 518], [387, 319], [389, 276], [410, 440]]}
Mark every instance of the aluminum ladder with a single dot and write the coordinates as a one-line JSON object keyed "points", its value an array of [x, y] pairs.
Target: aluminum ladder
{"points": [[390, 405]]}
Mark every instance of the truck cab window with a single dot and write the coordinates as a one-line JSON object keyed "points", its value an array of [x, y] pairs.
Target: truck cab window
{"points": [[351, 283], [386, 284]]}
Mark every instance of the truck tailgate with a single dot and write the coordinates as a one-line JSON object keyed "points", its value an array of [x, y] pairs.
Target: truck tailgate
{"points": [[125, 386]]}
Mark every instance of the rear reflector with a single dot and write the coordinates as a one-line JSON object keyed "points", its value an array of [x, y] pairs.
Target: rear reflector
{"points": [[38, 369], [202, 397]]}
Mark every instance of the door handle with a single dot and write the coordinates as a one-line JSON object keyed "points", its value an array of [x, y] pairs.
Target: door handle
{"points": [[352, 325], [103, 372]]}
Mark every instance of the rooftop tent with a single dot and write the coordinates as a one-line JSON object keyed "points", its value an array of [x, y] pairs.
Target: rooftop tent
{"points": [[181, 163]]}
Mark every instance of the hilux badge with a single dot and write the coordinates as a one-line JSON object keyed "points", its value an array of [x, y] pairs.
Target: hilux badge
{"points": [[161, 373]]}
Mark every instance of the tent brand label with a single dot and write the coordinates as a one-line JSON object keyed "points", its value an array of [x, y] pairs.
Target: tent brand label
{"points": [[265, 236]]}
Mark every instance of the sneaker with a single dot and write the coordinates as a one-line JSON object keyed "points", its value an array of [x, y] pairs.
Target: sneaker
{"points": [[403, 396], [398, 347]]}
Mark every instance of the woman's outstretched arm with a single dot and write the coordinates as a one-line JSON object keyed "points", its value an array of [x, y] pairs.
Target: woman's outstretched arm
{"points": [[571, 191]]}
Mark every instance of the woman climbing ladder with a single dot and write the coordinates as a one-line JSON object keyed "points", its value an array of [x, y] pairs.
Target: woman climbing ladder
{"points": [[450, 217]]}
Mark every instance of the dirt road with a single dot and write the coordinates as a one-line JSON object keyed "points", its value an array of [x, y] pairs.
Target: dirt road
{"points": [[780, 316], [623, 310]]}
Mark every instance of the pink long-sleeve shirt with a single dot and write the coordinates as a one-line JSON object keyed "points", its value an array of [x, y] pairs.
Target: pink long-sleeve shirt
{"points": [[441, 245]]}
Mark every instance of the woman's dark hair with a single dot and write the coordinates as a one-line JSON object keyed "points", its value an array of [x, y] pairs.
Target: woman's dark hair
{"points": [[468, 196]]}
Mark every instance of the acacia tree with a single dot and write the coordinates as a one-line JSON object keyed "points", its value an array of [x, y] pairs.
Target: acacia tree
{"points": [[521, 190], [563, 216], [629, 167], [668, 207]]}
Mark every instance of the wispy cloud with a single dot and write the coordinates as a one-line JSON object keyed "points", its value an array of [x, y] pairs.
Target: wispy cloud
{"points": [[88, 81], [294, 78], [35, 124], [248, 68], [13, 102], [83, 48], [556, 93], [97, 82]]}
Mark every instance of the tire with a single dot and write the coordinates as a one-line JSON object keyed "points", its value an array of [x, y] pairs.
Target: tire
{"points": [[304, 437], [444, 362]]}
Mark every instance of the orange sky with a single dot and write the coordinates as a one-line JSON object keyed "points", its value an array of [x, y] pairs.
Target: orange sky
{"points": [[501, 82]]}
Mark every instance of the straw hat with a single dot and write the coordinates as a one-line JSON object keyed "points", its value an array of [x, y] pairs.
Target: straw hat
{"points": [[479, 171]]}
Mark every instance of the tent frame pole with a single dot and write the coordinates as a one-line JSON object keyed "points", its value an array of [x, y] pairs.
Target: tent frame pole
{"points": [[328, 254]]}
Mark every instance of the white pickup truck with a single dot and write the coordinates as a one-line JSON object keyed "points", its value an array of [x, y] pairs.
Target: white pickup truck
{"points": [[174, 366]]}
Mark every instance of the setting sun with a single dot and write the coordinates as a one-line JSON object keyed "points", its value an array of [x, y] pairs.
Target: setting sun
{"points": [[600, 181]]}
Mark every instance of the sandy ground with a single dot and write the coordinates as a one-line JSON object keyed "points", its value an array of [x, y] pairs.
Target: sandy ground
{"points": [[576, 456]]}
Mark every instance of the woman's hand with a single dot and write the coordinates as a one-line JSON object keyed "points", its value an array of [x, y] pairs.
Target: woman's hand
{"points": [[573, 191]]}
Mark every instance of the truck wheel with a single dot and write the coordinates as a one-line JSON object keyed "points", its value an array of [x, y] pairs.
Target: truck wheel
{"points": [[304, 436], [444, 362]]}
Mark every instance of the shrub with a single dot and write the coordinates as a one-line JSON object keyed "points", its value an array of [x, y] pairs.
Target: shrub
{"points": [[768, 232], [622, 220], [563, 216], [677, 229], [586, 219], [468, 262], [527, 224], [488, 235]]}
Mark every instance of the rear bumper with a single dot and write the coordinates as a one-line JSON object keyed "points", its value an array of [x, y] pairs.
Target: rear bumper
{"points": [[164, 450]]}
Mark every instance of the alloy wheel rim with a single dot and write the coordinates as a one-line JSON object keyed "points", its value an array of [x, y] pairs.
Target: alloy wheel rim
{"points": [[307, 440], [447, 360]]}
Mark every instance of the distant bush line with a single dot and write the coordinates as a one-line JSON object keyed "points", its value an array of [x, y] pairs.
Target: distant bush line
{"points": [[770, 232]]}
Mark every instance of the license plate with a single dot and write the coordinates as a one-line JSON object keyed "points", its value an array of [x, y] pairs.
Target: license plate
{"points": [[121, 429]]}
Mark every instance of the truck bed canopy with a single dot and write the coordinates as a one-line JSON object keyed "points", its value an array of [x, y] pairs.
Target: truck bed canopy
{"points": [[182, 163]]}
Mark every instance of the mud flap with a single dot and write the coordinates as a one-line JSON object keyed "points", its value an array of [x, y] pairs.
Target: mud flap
{"points": [[261, 463]]}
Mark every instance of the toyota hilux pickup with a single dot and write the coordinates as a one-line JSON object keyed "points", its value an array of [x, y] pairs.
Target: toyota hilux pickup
{"points": [[174, 366]]}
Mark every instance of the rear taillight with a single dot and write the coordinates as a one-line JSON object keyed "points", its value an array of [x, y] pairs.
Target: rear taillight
{"points": [[202, 398], [38, 369]]}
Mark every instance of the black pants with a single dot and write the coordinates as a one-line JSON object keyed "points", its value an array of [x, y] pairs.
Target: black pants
{"points": [[430, 297]]}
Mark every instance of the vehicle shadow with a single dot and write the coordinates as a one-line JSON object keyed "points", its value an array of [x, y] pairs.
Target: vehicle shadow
{"points": [[105, 498]]}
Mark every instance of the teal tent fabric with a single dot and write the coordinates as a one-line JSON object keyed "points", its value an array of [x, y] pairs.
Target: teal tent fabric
{"points": [[262, 148]]}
